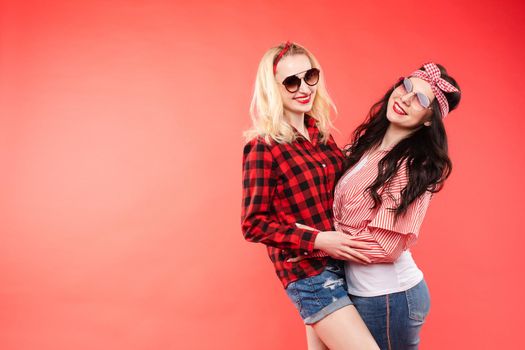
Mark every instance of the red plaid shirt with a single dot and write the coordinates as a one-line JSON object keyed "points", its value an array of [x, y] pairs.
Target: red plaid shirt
{"points": [[288, 183]]}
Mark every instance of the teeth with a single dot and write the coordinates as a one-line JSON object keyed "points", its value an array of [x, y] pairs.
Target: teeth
{"points": [[398, 109]]}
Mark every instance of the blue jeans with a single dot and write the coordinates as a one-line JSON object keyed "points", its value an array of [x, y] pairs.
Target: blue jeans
{"points": [[395, 320]]}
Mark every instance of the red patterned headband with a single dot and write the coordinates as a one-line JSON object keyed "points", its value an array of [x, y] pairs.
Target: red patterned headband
{"points": [[281, 54], [432, 75]]}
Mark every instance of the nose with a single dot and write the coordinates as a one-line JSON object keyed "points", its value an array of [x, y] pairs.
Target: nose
{"points": [[407, 98], [304, 88]]}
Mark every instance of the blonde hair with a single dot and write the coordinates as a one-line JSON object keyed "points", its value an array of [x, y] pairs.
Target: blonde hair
{"points": [[266, 108]]}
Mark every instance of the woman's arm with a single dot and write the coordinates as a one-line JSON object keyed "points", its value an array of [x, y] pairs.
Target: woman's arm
{"points": [[258, 223], [385, 246], [387, 238], [392, 236]]}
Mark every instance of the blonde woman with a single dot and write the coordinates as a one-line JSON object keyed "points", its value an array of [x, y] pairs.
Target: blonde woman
{"points": [[291, 164]]}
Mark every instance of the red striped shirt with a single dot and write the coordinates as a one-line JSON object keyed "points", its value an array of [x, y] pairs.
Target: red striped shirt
{"points": [[353, 213]]}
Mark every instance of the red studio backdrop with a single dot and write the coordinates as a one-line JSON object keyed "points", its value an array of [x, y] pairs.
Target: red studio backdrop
{"points": [[120, 182]]}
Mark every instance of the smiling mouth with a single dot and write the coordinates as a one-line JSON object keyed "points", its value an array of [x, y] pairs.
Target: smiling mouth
{"points": [[303, 99], [397, 108]]}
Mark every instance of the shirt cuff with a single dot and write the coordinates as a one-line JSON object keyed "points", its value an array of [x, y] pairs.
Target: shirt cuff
{"points": [[307, 241]]}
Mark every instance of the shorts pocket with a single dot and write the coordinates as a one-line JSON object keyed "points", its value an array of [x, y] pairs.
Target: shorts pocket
{"points": [[418, 301]]}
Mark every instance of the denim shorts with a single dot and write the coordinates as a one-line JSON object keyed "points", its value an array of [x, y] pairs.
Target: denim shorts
{"points": [[318, 296]]}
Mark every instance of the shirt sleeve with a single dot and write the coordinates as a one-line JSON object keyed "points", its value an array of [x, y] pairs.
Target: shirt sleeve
{"points": [[387, 236], [387, 239], [258, 221]]}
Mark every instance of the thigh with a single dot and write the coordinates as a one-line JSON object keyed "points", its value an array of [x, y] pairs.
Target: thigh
{"points": [[344, 329], [313, 342]]}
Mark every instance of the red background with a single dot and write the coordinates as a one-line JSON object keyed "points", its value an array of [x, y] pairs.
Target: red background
{"points": [[120, 185]]}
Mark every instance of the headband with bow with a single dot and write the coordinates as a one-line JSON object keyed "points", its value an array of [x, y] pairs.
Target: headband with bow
{"points": [[432, 75]]}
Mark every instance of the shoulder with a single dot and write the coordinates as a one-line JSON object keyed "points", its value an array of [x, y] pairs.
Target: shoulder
{"points": [[258, 143], [259, 149], [331, 140], [331, 146]]}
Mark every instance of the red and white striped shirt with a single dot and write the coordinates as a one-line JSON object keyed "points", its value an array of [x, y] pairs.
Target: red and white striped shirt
{"points": [[353, 213]]}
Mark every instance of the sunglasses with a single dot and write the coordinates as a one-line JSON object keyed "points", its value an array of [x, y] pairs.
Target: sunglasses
{"points": [[422, 101], [293, 82]]}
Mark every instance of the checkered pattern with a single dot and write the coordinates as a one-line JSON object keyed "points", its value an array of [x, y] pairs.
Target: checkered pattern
{"points": [[284, 184], [432, 75]]}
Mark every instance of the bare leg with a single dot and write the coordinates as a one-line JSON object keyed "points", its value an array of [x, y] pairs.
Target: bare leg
{"points": [[345, 330], [313, 341]]}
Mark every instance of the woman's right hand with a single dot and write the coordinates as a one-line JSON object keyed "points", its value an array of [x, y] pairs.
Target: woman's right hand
{"points": [[341, 246]]}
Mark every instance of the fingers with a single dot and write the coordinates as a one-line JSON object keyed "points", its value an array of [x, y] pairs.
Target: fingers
{"points": [[305, 227], [349, 242], [356, 255], [361, 256], [349, 257], [296, 259], [359, 242]]}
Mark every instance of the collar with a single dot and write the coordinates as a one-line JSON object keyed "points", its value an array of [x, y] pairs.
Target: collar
{"points": [[313, 131]]}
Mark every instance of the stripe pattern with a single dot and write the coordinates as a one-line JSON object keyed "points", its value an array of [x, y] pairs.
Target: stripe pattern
{"points": [[353, 213]]}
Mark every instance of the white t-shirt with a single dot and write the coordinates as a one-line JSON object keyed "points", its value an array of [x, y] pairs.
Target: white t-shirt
{"points": [[379, 279]]}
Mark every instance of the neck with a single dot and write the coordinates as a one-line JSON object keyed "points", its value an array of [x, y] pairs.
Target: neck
{"points": [[393, 135], [296, 120]]}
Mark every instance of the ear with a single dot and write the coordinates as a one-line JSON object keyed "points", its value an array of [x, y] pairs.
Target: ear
{"points": [[427, 123]]}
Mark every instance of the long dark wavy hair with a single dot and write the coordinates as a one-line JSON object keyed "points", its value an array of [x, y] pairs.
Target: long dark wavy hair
{"points": [[425, 150]]}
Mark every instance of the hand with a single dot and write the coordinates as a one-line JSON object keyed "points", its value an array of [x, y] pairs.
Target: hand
{"points": [[341, 246], [305, 227]]}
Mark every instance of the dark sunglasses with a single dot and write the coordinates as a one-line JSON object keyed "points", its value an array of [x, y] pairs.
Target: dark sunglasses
{"points": [[293, 82], [422, 100]]}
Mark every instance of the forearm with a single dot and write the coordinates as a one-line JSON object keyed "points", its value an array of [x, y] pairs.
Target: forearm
{"points": [[258, 220], [262, 229]]}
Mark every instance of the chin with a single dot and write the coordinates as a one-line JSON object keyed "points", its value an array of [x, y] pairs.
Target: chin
{"points": [[392, 117], [306, 109], [395, 118], [301, 109]]}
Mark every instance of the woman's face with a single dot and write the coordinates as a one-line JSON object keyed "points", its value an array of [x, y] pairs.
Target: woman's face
{"points": [[302, 100], [405, 109]]}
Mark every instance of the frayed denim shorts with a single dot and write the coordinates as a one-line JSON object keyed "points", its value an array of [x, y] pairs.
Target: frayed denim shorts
{"points": [[318, 296]]}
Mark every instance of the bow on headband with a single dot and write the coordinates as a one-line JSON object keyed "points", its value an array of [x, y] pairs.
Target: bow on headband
{"points": [[432, 75]]}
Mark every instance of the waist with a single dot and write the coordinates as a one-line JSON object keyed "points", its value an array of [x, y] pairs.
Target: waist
{"points": [[380, 279]]}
